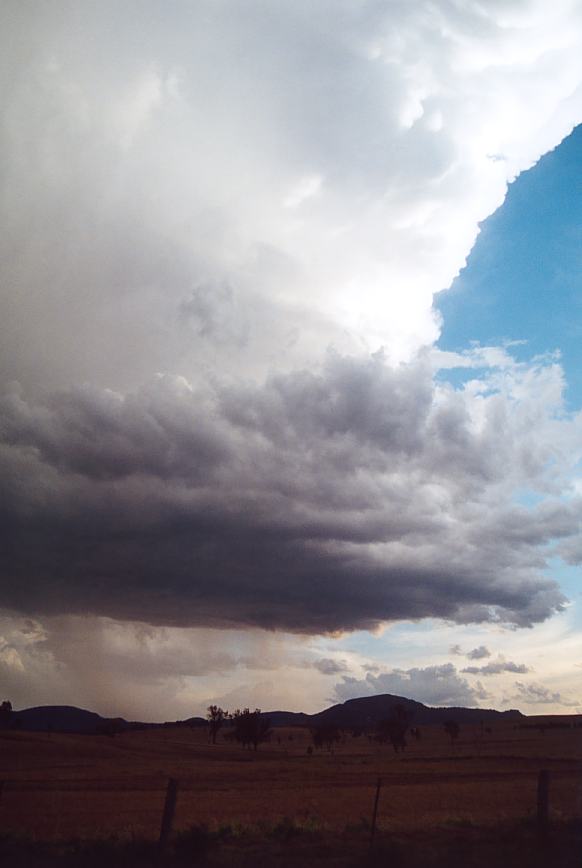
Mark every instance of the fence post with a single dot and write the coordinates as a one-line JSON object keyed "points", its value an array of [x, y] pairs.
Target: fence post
{"points": [[1, 790], [375, 812], [168, 815], [543, 802]]}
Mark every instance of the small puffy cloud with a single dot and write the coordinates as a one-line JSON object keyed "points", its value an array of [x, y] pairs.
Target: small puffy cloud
{"points": [[327, 666], [432, 685], [455, 649], [497, 667], [537, 694], [479, 653]]}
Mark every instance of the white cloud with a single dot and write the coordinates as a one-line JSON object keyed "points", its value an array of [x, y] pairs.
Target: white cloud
{"points": [[538, 694], [149, 155], [303, 190], [432, 685], [496, 667]]}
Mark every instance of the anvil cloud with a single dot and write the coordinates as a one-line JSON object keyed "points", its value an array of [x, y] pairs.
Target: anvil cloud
{"points": [[215, 186]]}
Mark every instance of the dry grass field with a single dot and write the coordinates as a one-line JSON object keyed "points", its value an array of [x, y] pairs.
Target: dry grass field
{"points": [[62, 786]]}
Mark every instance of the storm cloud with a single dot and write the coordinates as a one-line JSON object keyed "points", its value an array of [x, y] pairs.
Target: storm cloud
{"points": [[321, 500], [195, 187], [223, 229]]}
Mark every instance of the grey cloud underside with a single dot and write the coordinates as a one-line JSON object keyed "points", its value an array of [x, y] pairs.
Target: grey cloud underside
{"points": [[479, 653], [537, 694], [327, 666], [496, 668], [321, 500]]}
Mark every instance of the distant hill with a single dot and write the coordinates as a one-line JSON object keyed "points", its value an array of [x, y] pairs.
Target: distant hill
{"points": [[68, 718], [369, 710], [289, 718], [366, 711], [60, 718]]}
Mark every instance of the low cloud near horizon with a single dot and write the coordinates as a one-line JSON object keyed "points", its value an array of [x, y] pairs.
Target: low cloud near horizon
{"points": [[432, 685]]}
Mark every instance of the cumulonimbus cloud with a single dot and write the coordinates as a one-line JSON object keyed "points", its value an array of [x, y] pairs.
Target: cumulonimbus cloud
{"points": [[221, 187], [319, 501], [219, 193]]}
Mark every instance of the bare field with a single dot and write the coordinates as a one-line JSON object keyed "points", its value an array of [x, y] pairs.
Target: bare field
{"points": [[58, 786]]}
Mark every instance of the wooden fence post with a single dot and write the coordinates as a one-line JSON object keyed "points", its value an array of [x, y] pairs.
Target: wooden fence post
{"points": [[375, 812], [168, 815], [543, 802]]}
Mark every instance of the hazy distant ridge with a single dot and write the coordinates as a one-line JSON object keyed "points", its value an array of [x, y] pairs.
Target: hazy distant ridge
{"points": [[365, 711], [368, 710]]}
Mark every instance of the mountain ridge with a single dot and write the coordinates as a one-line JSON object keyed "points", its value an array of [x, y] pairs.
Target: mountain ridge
{"points": [[369, 710], [364, 711]]}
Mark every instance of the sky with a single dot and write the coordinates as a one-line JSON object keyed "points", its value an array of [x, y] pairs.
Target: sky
{"points": [[522, 283], [290, 392]]}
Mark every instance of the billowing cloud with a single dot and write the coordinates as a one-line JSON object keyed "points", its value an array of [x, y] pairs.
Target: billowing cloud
{"points": [[227, 187], [433, 685], [497, 667], [321, 500], [223, 228]]}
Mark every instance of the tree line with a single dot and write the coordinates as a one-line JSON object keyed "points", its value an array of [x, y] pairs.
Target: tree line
{"points": [[250, 728]]}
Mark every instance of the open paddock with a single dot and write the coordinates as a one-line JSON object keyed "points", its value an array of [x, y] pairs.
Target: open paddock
{"points": [[59, 786]]}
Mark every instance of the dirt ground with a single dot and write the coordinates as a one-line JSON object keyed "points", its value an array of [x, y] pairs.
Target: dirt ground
{"points": [[58, 786]]}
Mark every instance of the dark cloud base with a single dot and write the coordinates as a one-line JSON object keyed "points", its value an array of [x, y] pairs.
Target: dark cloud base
{"points": [[320, 501]]}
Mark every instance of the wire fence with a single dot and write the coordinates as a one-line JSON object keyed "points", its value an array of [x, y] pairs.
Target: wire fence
{"points": [[104, 802]]}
